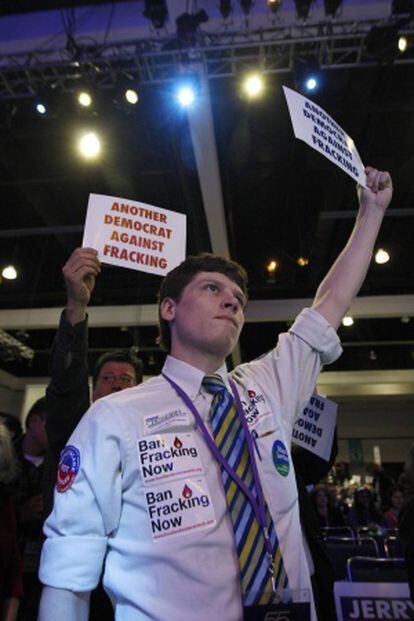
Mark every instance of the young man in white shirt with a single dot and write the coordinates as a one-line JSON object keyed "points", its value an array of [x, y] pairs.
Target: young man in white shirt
{"points": [[141, 487]]}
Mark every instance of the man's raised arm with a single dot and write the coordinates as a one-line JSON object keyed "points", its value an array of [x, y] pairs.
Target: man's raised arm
{"points": [[343, 281], [63, 605]]}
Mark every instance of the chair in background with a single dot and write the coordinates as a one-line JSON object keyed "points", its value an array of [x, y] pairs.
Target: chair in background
{"points": [[369, 569], [337, 531], [340, 549], [392, 547]]}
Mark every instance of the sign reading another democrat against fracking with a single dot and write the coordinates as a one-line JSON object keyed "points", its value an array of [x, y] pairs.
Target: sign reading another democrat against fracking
{"points": [[315, 127], [315, 427], [135, 235]]}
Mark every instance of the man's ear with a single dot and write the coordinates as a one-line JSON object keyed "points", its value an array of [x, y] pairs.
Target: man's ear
{"points": [[167, 309]]}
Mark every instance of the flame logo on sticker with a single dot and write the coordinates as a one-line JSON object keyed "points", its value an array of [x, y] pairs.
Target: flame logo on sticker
{"points": [[187, 491], [177, 443]]}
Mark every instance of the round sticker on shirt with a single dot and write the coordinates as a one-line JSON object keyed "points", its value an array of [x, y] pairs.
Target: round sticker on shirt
{"points": [[68, 468], [280, 458]]}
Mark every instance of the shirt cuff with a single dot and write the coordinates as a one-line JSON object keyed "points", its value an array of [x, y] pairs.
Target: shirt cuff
{"points": [[73, 563], [312, 328]]}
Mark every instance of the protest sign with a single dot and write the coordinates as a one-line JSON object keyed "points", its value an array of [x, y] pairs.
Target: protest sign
{"points": [[135, 235], [314, 428], [373, 600], [315, 127]]}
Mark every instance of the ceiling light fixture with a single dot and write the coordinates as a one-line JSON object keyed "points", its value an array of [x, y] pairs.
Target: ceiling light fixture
{"points": [[157, 12], [347, 321], [302, 8], [225, 8], [9, 272], [381, 256]]}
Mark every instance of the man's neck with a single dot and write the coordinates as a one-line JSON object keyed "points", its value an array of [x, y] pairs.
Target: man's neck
{"points": [[208, 363]]}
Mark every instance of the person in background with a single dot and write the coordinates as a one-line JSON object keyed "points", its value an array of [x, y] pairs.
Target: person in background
{"points": [[13, 425], [11, 584], [381, 484], [337, 501], [396, 500], [406, 522], [363, 512], [31, 450], [327, 515], [68, 395]]}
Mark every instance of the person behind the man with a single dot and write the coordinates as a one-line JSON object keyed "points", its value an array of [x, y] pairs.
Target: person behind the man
{"points": [[68, 395], [191, 510]]}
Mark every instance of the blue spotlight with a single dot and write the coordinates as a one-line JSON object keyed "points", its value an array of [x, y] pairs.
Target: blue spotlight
{"points": [[186, 95], [41, 108], [311, 83]]}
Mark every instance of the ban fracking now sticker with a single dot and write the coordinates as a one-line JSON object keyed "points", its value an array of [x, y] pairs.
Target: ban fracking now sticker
{"points": [[165, 456], [179, 507], [280, 458]]}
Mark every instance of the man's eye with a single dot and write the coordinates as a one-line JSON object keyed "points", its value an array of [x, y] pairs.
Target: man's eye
{"points": [[212, 287]]}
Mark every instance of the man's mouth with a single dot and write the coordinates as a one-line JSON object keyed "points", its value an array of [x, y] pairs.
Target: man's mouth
{"points": [[230, 319]]}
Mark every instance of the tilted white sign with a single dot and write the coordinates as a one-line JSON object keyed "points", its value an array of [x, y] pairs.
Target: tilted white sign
{"points": [[135, 235], [314, 428], [315, 127]]}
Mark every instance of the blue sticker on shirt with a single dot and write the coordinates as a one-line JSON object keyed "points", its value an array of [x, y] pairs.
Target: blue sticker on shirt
{"points": [[68, 468], [280, 458]]}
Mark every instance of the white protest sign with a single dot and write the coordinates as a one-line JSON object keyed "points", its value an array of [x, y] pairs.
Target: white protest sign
{"points": [[315, 127], [314, 428], [135, 235], [373, 600]]}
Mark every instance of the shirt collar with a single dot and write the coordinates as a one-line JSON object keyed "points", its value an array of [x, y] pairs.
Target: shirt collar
{"points": [[189, 378]]}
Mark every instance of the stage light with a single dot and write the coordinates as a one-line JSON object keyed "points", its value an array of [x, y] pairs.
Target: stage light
{"points": [[302, 8], [274, 5], [84, 99], [246, 5], [156, 11], [89, 145], [188, 23], [9, 272], [381, 256], [347, 321], [272, 266], [41, 108], [253, 85], [402, 44], [225, 8], [332, 7], [131, 96], [307, 74], [311, 83], [186, 96], [302, 261]]}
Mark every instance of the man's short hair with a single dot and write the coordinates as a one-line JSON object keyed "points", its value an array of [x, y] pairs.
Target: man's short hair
{"points": [[118, 356], [175, 282], [38, 409]]}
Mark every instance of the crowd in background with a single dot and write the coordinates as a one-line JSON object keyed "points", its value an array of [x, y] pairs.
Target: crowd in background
{"points": [[337, 502]]}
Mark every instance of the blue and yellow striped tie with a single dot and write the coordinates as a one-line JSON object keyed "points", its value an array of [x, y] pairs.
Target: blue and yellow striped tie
{"points": [[230, 440]]}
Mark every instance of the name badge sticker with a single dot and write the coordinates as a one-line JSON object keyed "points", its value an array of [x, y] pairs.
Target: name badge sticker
{"points": [[180, 507], [166, 456], [155, 422]]}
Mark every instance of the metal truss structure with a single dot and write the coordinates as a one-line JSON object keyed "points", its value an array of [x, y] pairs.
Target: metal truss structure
{"points": [[220, 54]]}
